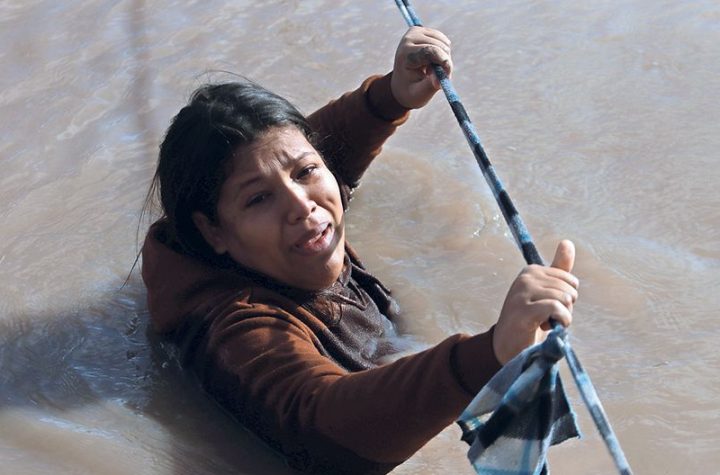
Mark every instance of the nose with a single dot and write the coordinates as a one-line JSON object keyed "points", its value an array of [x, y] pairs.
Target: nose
{"points": [[299, 204]]}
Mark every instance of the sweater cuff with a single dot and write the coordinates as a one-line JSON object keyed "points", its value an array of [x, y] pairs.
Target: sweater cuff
{"points": [[381, 102], [473, 361]]}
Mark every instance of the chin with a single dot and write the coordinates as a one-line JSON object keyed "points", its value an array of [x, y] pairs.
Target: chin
{"points": [[330, 272]]}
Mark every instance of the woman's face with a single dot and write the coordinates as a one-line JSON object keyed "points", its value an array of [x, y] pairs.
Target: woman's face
{"points": [[280, 212]]}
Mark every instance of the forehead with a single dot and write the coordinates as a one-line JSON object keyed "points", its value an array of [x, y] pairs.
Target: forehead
{"points": [[278, 147]]}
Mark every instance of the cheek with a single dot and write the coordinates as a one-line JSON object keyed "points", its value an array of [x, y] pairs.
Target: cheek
{"points": [[245, 233], [332, 191], [255, 232], [257, 244]]}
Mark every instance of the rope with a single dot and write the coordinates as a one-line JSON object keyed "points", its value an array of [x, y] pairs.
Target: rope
{"points": [[527, 247]]}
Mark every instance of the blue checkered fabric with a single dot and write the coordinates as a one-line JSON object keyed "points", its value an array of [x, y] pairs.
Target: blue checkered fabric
{"points": [[520, 413]]}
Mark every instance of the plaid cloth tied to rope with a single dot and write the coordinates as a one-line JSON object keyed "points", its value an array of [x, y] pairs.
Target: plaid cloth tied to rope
{"points": [[520, 413]]}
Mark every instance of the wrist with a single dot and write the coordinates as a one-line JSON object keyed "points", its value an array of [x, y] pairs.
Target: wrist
{"points": [[381, 101], [473, 361]]}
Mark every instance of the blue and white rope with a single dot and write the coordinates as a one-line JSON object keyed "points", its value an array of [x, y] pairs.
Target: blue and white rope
{"points": [[526, 245]]}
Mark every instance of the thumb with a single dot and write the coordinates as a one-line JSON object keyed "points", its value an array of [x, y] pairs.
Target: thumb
{"points": [[564, 256]]}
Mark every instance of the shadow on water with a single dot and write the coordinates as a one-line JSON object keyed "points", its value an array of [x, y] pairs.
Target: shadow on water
{"points": [[101, 373]]}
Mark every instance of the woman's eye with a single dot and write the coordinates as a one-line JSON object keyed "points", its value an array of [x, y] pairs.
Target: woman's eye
{"points": [[308, 170], [256, 199]]}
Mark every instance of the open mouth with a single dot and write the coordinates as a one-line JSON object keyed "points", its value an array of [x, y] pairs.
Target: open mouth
{"points": [[316, 241]]}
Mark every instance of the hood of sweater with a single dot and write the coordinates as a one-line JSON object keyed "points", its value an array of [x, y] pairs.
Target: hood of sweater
{"points": [[179, 285]]}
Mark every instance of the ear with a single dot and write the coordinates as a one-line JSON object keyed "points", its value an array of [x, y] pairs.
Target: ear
{"points": [[210, 232]]}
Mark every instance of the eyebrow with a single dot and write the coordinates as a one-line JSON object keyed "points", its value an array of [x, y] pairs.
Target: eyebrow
{"points": [[300, 157]]}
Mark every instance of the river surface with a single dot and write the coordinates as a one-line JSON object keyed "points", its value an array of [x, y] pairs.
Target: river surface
{"points": [[602, 118]]}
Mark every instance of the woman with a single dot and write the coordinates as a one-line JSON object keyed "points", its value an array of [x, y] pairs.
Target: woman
{"points": [[248, 272]]}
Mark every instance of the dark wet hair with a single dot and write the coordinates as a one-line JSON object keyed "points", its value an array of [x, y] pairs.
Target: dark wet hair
{"points": [[195, 154]]}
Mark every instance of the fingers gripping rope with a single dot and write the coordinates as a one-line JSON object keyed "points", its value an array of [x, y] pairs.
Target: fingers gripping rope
{"points": [[524, 241]]}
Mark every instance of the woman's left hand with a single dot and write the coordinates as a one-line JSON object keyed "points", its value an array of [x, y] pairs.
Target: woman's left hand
{"points": [[413, 80], [537, 294]]}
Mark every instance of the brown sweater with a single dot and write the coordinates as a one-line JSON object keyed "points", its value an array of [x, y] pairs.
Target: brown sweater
{"points": [[300, 369]]}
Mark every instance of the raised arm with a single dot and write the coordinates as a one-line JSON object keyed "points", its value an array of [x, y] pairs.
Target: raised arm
{"points": [[352, 129]]}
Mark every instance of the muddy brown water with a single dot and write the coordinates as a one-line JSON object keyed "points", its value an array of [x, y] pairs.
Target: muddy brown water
{"points": [[601, 118]]}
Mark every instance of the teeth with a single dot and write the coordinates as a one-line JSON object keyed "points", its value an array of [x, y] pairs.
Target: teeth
{"points": [[314, 239], [319, 236], [314, 242]]}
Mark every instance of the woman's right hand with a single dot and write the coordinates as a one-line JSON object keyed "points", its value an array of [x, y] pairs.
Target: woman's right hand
{"points": [[413, 81], [537, 294]]}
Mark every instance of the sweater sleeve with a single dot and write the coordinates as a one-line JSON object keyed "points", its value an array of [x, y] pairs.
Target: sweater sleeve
{"points": [[351, 130], [268, 371]]}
